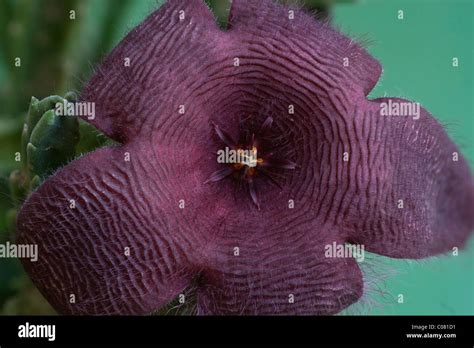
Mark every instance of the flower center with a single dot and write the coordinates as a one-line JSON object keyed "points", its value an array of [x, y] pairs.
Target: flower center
{"points": [[247, 160], [247, 157]]}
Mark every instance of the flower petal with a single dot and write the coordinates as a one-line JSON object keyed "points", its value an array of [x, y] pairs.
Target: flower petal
{"points": [[278, 270], [285, 38], [148, 78], [123, 245], [413, 192]]}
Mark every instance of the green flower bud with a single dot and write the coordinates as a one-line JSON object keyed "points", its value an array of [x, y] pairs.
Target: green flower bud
{"points": [[52, 142], [48, 141], [38, 108]]}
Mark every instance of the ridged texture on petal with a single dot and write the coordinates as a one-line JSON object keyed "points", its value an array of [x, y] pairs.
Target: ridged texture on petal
{"points": [[278, 269], [118, 205], [401, 160], [143, 82], [302, 42]]}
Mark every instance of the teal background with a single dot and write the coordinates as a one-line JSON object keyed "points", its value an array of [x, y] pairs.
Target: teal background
{"points": [[416, 54]]}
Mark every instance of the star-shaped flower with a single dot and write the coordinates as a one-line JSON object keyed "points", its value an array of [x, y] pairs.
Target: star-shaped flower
{"points": [[123, 230]]}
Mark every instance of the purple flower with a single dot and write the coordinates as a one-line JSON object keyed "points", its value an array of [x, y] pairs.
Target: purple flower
{"points": [[123, 230]]}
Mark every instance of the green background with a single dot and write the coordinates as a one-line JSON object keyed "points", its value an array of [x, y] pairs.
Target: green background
{"points": [[416, 54]]}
